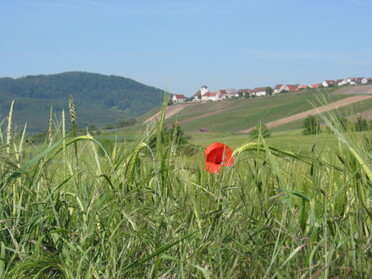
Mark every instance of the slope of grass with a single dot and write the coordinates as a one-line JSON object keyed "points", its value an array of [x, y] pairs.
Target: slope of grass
{"points": [[349, 111], [236, 115]]}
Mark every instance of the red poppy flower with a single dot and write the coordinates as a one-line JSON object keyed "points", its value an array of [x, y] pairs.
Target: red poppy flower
{"points": [[217, 154]]}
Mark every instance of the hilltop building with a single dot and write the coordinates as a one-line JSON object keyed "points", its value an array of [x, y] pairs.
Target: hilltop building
{"points": [[178, 98]]}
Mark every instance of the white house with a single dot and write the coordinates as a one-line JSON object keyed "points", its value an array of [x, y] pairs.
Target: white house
{"points": [[224, 94], [351, 81], [259, 91], [341, 82], [178, 98], [328, 83], [232, 92], [198, 95], [278, 88], [204, 89], [211, 96]]}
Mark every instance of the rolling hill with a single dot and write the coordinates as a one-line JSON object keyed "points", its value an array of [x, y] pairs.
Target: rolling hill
{"points": [[99, 99], [234, 116]]}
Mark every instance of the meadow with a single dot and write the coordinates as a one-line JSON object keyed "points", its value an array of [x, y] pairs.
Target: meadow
{"points": [[238, 114], [290, 206]]}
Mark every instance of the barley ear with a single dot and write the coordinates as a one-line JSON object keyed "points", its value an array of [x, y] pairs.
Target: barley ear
{"points": [[9, 128], [73, 123]]}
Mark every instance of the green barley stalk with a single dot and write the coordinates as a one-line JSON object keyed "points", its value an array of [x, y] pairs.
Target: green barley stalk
{"points": [[160, 126], [46, 155], [65, 162], [73, 124], [359, 157], [2, 258], [50, 128], [19, 149], [95, 155], [9, 128], [1, 134], [221, 226]]}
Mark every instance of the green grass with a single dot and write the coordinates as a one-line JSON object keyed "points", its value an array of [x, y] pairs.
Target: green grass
{"points": [[290, 139], [348, 111], [285, 209], [237, 115]]}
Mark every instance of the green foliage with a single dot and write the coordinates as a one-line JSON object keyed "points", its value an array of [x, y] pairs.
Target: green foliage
{"points": [[106, 145], [361, 124], [92, 128], [109, 127], [98, 99], [173, 134], [261, 129], [126, 123], [269, 91], [311, 126], [342, 124]]}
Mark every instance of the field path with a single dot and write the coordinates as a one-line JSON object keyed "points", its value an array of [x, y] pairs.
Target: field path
{"points": [[204, 115], [354, 90], [331, 106], [171, 110]]}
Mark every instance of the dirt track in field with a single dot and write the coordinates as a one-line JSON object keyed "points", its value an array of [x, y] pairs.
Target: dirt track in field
{"points": [[172, 110], [203, 115], [354, 90], [302, 115]]}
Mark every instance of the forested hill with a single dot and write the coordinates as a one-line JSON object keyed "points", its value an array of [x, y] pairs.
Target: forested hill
{"points": [[99, 99]]}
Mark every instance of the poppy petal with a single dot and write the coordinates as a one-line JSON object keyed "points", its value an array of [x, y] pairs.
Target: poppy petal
{"points": [[217, 154], [229, 161], [212, 168]]}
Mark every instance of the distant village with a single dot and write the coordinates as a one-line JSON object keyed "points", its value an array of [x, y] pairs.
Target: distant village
{"points": [[204, 95]]}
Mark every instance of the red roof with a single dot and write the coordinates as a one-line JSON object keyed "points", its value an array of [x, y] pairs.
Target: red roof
{"points": [[180, 96], [278, 86], [197, 93], [316, 85], [292, 87], [210, 94], [244, 90]]}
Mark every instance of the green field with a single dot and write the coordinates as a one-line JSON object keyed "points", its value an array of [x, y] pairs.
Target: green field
{"points": [[231, 116], [240, 114], [291, 206]]}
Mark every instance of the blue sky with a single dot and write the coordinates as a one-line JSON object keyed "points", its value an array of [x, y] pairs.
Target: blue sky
{"points": [[182, 45]]}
